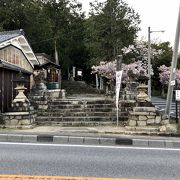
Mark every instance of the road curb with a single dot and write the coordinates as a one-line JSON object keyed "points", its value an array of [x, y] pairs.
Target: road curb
{"points": [[87, 140]]}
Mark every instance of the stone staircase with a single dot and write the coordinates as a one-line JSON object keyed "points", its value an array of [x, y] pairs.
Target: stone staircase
{"points": [[83, 106], [78, 112]]}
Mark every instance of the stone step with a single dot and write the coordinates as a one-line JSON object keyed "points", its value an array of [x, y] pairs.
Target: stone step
{"points": [[87, 110], [76, 123], [100, 111], [82, 102], [68, 113], [78, 118], [65, 106]]}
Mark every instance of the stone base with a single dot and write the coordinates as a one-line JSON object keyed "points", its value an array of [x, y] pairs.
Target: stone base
{"points": [[145, 116], [19, 119], [21, 107], [56, 93]]}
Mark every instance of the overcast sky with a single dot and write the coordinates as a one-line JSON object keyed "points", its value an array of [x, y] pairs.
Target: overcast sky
{"points": [[158, 14]]}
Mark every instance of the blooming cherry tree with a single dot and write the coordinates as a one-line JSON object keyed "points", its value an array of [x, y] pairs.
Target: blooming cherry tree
{"points": [[108, 70], [139, 52], [164, 76]]}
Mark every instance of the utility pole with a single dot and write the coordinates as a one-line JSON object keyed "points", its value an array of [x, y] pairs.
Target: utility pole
{"points": [[57, 62], [173, 68], [149, 60]]}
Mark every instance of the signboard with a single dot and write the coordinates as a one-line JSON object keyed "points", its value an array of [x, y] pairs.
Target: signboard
{"points": [[118, 85], [79, 73], [74, 72], [177, 95], [173, 83]]}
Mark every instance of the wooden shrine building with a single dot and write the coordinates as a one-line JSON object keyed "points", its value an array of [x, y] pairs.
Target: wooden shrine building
{"points": [[16, 56]]}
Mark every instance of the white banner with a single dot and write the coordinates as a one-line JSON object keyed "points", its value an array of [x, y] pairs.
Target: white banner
{"points": [[118, 85], [177, 95]]}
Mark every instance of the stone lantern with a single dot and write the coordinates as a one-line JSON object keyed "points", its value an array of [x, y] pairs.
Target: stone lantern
{"points": [[142, 97], [23, 114], [21, 102]]}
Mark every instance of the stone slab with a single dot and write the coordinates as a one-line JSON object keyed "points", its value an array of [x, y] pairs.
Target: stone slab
{"points": [[14, 137], [144, 109], [132, 123], [16, 113], [140, 142], [107, 141], [158, 119], [169, 144], [141, 123], [45, 138], [76, 140], [124, 141], [3, 137], [139, 113], [142, 118], [157, 143], [176, 144], [29, 138], [61, 139], [91, 140], [150, 121]]}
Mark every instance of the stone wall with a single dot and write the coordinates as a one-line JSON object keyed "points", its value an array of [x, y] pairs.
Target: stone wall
{"points": [[19, 119], [145, 116]]}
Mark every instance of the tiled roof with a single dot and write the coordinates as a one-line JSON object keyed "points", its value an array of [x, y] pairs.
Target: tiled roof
{"points": [[7, 35], [6, 65]]}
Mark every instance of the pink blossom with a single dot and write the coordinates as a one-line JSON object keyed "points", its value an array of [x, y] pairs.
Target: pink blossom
{"points": [[164, 76], [108, 70]]}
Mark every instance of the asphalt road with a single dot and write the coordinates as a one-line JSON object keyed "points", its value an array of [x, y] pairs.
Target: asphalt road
{"points": [[89, 161]]}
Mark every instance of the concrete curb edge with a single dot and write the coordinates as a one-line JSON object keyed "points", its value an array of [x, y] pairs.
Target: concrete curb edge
{"points": [[87, 140]]}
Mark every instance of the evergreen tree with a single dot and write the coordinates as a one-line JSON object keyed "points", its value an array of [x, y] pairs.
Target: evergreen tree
{"points": [[111, 26]]}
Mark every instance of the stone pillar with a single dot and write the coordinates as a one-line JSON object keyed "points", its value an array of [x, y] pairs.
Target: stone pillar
{"points": [[142, 95], [131, 90]]}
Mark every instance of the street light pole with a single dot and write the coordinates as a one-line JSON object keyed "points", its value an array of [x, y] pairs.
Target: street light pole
{"points": [[173, 68], [149, 60], [149, 63]]}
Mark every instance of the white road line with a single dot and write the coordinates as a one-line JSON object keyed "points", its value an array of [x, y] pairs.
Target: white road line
{"points": [[91, 146]]}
